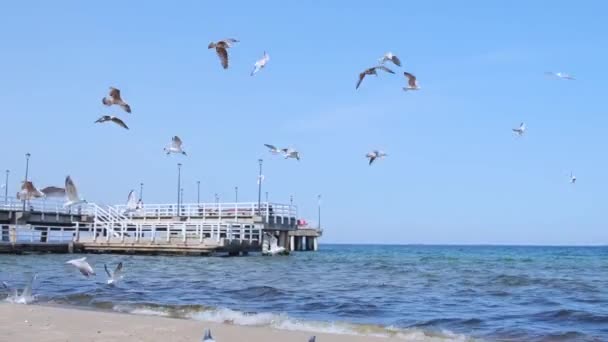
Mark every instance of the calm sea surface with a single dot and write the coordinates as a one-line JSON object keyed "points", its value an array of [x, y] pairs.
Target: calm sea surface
{"points": [[421, 293]]}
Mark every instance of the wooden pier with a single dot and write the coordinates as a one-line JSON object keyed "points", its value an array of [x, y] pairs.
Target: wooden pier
{"points": [[190, 229]]}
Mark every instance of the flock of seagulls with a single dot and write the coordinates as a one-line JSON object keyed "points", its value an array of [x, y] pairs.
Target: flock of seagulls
{"points": [[286, 152], [69, 192], [412, 83]]}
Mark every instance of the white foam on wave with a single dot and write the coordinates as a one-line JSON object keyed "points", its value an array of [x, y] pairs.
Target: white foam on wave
{"points": [[283, 322]]}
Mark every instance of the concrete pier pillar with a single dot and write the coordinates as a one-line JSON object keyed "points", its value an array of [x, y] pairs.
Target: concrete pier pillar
{"points": [[315, 245], [304, 244], [292, 243]]}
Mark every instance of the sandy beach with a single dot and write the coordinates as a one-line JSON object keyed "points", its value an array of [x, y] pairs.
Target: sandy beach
{"points": [[47, 323]]}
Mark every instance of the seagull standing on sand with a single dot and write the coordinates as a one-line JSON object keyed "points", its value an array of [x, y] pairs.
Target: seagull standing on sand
{"points": [[221, 48], [175, 146], [560, 75], [207, 337], [572, 178], [25, 297], [273, 149], [113, 119], [412, 83], [83, 266], [372, 156], [521, 130], [114, 98], [372, 71], [290, 153], [260, 64], [29, 191], [114, 277], [72, 193], [390, 57]]}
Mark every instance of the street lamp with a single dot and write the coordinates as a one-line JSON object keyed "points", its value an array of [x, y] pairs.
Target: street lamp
{"points": [[217, 198], [198, 192], [27, 168], [6, 187], [236, 194], [261, 161], [266, 196], [141, 192], [179, 186], [319, 210]]}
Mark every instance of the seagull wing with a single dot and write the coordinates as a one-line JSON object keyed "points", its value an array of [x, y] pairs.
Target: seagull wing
{"points": [[222, 53], [107, 271], [71, 191], [361, 77], [382, 67], [53, 191], [27, 290], [411, 79], [118, 270], [271, 147], [119, 122], [115, 95], [176, 142], [103, 119], [131, 200], [396, 60], [371, 159]]}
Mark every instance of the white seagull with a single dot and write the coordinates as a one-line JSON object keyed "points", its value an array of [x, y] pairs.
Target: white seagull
{"points": [[72, 193], [560, 75], [273, 246], [273, 149], [114, 277], [208, 337], [132, 203], [290, 153], [114, 98], [25, 297], [83, 266], [389, 56], [260, 64], [372, 156], [521, 130], [175, 146], [412, 83], [572, 178]]}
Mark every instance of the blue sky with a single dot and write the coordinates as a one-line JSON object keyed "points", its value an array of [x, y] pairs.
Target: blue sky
{"points": [[455, 173]]}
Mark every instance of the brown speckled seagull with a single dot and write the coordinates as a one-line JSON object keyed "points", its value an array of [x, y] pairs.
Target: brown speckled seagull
{"points": [[221, 48], [114, 98], [412, 84], [372, 71]]}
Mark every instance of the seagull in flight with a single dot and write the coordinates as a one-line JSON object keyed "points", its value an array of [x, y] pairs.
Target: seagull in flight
{"points": [[29, 191], [273, 246], [132, 203], [372, 71], [572, 178], [389, 56], [412, 83], [221, 48], [560, 75], [83, 266], [114, 277], [521, 130], [175, 146], [113, 119], [25, 297], [260, 64], [114, 98], [273, 149], [372, 156], [208, 337], [72, 193], [290, 153]]}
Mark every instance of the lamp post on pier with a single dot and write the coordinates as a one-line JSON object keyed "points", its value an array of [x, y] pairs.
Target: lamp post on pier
{"points": [[27, 168], [236, 194], [319, 210], [198, 193], [141, 192], [179, 186], [6, 187], [260, 161]]}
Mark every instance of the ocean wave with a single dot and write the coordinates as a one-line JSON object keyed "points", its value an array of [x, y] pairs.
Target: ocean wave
{"points": [[571, 316], [284, 322]]}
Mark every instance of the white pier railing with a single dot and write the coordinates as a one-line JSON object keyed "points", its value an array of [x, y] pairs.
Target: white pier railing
{"points": [[44, 205]]}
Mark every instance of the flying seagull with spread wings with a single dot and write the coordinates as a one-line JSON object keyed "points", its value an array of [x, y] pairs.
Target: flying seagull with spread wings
{"points": [[114, 277], [560, 75], [113, 119], [273, 149], [114, 98], [260, 64], [29, 191], [290, 153], [389, 56], [83, 266], [572, 178], [521, 130], [412, 83], [372, 71], [372, 156], [221, 48], [72, 193], [175, 146]]}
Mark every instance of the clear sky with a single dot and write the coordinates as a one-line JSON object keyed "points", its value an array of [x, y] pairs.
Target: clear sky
{"points": [[455, 173]]}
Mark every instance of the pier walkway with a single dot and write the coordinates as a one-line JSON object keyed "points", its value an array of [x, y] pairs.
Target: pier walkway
{"points": [[191, 229]]}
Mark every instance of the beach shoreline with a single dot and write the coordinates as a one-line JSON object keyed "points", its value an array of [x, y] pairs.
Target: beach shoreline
{"points": [[44, 323]]}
